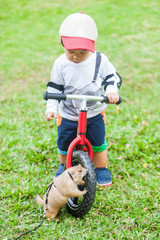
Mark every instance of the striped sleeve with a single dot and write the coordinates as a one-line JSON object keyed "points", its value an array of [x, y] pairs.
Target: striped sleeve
{"points": [[111, 79], [55, 85]]}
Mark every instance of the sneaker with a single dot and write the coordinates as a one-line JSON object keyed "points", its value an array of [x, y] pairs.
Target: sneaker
{"points": [[103, 177], [59, 170]]}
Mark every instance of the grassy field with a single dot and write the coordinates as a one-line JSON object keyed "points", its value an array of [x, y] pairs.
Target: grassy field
{"points": [[129, 35]]}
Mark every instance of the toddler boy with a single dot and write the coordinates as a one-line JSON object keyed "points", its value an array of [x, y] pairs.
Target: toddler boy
{"points": [[81, 70]]}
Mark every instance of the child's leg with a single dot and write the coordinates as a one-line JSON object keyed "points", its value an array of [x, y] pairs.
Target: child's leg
{"points": [[102, 173], [62, 158], [100, 159], [96, 136], [67, 131]]}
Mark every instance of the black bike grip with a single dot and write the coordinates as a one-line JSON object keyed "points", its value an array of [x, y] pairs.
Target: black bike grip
{"points": [[57, 96], [45, 96], [119, 101], [107, 101]]}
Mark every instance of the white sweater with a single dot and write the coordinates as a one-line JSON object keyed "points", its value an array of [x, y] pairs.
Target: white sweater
{"points": [[73, 78]]}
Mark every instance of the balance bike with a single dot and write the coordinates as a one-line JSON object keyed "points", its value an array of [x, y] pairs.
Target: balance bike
{"points": [[80, 153]]}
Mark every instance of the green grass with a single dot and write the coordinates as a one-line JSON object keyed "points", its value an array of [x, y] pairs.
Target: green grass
{"points": [[129, 35]]}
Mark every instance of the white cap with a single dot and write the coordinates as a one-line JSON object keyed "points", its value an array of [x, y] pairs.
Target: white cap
{"points": [[78, 31]]}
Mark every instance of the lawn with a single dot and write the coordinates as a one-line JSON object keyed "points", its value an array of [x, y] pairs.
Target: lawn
{"points": [[129, 35]]}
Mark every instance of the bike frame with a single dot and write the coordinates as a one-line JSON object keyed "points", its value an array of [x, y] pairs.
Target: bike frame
{"points": [[80, 142]]}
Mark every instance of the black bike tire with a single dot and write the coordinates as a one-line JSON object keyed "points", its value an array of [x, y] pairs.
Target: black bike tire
{"points": [[84, 207]]}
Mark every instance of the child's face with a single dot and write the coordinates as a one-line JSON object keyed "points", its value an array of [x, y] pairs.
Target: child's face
{"points": [[78, 55]]}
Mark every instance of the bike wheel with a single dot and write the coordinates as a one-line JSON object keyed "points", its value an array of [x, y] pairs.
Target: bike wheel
{"points": [[80, 206]]}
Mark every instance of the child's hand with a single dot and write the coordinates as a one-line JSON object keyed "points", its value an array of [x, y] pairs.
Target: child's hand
{"points": [[113, 97], [50, 115]]}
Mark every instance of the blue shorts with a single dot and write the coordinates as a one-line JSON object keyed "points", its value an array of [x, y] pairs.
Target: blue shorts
{"points": [[67, 132]]}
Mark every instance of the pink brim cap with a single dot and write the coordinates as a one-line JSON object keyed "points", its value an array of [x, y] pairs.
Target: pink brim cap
{"points": [[73, 43]]}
